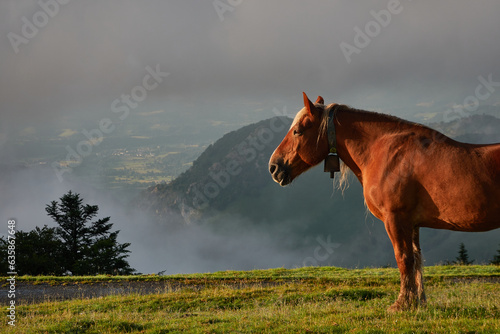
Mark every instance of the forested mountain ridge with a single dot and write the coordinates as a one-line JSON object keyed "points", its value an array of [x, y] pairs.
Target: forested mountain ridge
{"points": [[235, 165]]}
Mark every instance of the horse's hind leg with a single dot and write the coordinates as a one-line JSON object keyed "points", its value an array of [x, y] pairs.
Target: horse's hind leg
{"points": [[419, 277], [401, 235]]}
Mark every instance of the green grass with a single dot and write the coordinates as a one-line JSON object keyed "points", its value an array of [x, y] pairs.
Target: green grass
{"points": [[462, 299]]}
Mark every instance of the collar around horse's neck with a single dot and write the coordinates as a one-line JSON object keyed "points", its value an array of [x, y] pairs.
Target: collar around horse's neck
{"points": [[332, 162], [330, 130]]}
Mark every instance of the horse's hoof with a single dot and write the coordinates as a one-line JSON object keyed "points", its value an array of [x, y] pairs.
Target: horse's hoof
{"points": [[400, 306], [394, 308]]}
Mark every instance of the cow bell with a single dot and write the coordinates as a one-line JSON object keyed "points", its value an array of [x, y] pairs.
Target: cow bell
{"points": [[332, 164]]}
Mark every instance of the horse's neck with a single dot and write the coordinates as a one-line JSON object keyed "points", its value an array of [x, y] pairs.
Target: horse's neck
{"points": [[357, 132]]}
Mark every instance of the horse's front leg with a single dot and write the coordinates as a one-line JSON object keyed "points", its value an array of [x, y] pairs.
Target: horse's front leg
{"points": [[401, 234]]}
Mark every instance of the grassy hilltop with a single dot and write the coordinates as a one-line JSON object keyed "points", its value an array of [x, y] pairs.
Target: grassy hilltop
{"points": [[462, 299]]}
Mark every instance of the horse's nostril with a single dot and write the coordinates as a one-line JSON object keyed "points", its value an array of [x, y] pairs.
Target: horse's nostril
{"points": [[272, 169]]}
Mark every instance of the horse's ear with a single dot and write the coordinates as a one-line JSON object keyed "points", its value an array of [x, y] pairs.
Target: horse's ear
{"points": [[320, 100], [308, 104]]}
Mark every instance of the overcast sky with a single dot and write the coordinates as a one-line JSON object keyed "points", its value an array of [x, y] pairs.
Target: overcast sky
{"points": [[83, 55]]}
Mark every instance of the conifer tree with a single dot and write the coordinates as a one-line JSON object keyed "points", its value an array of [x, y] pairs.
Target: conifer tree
{"points": [[89, 247], [463, 256]]}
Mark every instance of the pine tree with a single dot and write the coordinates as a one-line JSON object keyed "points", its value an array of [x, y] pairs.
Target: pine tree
{"points": [[39, 252], [463, 256], [86, 244], [496, 258], [108, 257]]}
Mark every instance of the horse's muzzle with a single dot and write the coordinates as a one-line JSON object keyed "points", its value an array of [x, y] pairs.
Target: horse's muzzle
{"points": [[280, 174]]}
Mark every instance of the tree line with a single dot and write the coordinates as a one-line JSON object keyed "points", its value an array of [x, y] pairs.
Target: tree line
{"points": [[79, 245], [463, 257]]}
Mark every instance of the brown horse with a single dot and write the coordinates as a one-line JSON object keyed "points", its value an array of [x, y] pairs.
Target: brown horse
{"points": [[412, 177]]}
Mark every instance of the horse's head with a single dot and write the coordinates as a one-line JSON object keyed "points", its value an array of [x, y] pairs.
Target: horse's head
{"points": [[304, 146]]}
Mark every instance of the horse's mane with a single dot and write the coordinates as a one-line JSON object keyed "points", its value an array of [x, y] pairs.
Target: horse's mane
{"points": [[367, 116]]}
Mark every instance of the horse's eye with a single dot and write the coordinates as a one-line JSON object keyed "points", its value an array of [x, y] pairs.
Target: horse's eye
{"points": [[297, 133]]}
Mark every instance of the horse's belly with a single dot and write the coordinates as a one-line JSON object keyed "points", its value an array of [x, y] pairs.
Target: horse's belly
{"points": [[464, 224], [471, 207]]}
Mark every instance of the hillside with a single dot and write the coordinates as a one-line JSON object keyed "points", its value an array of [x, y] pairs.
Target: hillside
{"points": [[234, 166], [229, 189]]}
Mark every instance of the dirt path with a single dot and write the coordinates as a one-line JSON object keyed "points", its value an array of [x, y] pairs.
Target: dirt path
{"points": [[28, 293]]}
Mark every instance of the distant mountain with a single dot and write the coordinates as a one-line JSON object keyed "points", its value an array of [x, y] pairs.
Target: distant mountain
{"points": [[234, 166], [229, 187], [480, 129], [438, 114]]}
